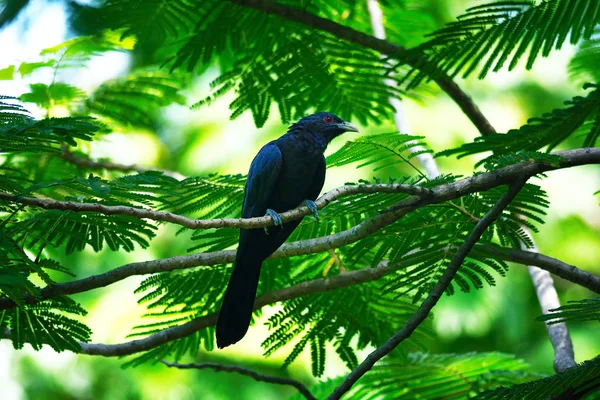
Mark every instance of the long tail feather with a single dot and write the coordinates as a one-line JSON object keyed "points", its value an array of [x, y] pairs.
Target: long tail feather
{"points": [[238, 302], [236, 311]]}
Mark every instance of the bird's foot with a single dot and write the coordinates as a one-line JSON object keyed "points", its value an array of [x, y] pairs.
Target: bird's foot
{"points": [[276, 219], [312, 207]]}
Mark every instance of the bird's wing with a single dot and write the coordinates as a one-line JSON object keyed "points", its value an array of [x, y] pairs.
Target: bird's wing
{"points": [[317, 181], [263, 174]]}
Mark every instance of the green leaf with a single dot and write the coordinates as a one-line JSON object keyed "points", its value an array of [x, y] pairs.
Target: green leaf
{"points": [[489, 35], [383, 150], [337, 317], [45, 323], [7, 74], [578, 382], [75, 52], [442, 376], [23, 134], [11, 113], [76, 230], [55, 94], [135, 100], [577, 310], [26, 68], [548, 131]]}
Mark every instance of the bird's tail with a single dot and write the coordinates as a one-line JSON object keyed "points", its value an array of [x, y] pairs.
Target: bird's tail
{"points": [[236, 310]]}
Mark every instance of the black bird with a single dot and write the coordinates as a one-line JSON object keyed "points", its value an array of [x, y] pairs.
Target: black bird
{"points": [[285, 173]]}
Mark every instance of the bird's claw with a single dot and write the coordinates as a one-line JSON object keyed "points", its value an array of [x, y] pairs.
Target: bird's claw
{"points": [[312, 207], [276, 219]]}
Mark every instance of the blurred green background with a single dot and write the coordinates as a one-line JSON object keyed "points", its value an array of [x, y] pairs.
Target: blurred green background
{"points": [[501, 318]]}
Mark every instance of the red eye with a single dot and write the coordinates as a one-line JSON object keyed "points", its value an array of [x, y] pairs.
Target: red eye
{"points": [[328, 119]]}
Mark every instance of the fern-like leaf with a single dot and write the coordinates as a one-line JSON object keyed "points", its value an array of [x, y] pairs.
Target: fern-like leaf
{"points": [[45, 135], [75, 230], [384, 150], [547, 131], [582, 381], [46, 323], [443, 376], [580, 310], [136, 99], [489, 35]]}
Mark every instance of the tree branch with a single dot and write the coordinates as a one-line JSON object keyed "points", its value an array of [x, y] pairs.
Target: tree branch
{"points": [[505, 175], [440, 193], [83, 162], [434, 296], [552, 265], [247, 372], [322, 285], [247, 223], [564, 356], [435, 195], [545, 290], [557, 267], [314, 286], [411, 57]]}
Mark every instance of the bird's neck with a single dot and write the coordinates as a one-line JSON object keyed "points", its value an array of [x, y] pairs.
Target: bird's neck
{"points": [[313, 141]]}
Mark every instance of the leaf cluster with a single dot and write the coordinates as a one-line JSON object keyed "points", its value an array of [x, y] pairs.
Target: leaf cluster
{"points": [[581, 116], [447, 376], [418, 246], [495, 33], [272, 64], [582, 381], [45, 323], [578, 310]]}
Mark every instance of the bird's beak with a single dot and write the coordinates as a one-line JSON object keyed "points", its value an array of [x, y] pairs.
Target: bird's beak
{"points": [[347, 127]]}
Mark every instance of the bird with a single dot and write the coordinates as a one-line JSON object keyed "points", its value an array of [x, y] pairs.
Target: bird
{"points": [[286, 173]]}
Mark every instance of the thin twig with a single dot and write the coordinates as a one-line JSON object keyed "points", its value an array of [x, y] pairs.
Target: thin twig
{"points": [[440, 287], [412, 57], [247, 372]]}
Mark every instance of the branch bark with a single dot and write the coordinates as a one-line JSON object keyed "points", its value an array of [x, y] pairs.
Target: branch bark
{"points": [[247, 223], [314, 286], [434, 296], [445, 192], [435, 195], [247, 372], [340, 281], [412, 58], [552, 265], [557, 267], [564, 356]]}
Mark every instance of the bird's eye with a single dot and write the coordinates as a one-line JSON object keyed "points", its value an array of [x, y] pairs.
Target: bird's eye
{"points": [[328, 119]]}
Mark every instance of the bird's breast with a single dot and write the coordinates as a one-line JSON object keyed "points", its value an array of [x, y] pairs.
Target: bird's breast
{"points": [[298, 172]]}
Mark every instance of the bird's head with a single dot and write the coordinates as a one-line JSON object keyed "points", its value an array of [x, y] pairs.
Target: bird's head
{"points": [[325, 125]]}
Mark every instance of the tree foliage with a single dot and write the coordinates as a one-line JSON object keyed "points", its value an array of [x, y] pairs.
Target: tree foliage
{"points": [[273, 63]]}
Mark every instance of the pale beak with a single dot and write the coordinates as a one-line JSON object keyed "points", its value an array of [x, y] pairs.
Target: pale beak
{"points": [[347, 127]]}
